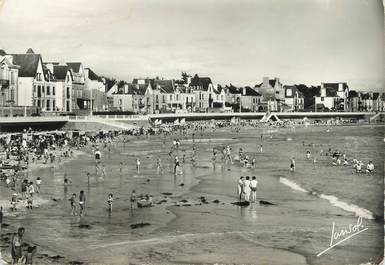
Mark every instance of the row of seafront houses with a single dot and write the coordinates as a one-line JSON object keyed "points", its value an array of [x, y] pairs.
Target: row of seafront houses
{"points": [[52, 88]]}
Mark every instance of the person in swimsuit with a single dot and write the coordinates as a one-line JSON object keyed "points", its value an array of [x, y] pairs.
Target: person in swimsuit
{"points": [[133, 198], [292, 164], [253, 187], [240, 188], [72, 201], [16, 249], [110, 199], [82, 202]]}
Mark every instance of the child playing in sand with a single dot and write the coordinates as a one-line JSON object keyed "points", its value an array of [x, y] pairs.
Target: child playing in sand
{"points": [[28, 257]]}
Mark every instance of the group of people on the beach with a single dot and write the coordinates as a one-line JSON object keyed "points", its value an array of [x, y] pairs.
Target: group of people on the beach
{"points": [[30, 148]]}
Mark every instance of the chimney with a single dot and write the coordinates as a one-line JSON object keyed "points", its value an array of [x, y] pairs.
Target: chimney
{"points": [[265, 81], [340, 87], [322, 85], [244, 91], [188, 80], [125, 89]]}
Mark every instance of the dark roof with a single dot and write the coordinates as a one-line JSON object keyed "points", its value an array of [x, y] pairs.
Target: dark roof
{"points": [[330, 91], [2, 52], [251, 92], [165, 86], [376, 95], [75, 66], [232, 89], [272, 82], [353, 94], [48, 75], [110, 84], [28, 63], [294, 90], [60, 71], [335, 85], [258, 85], [200, 82], [92, 75], [365, 96], [121, 90], [30, 51]]}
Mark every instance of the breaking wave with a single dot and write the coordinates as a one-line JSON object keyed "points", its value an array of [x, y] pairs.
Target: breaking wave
{"points": [[333, 200]]}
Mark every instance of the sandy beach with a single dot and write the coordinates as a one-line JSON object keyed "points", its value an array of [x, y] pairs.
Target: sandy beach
{"points": [[194, 220]]}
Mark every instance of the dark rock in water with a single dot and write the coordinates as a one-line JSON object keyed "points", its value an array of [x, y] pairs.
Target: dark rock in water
{"points": [[85, 226], [202, 198], [166, 193], [229, 169], [266, 203], [4, 225], [162, 201], [183, 201], [181, 184], [54, 199], [56, 257], [139, 225], [198, 204], [187, 204], [148, 180], [216, 201], [242, 204], [75, 262]]}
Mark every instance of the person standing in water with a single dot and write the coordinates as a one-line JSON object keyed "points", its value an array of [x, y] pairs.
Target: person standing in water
{"points": [[253, 187], [292, 164], [110, 199], [82, 202], [240, 188], [247, 189], [138, 165], [158, 165], [72, 201]]}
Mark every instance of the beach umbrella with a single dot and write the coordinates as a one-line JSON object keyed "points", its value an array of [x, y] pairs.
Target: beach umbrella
{"points": [[176, 122]]}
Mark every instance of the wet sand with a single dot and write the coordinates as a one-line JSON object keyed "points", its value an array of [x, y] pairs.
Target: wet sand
{"points": [[185, 230]]}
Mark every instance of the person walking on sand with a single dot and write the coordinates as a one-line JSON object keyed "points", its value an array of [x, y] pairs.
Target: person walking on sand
{"points": [[158, 165], [38, 184], [240, 188], [253, 187], [82, 202]]}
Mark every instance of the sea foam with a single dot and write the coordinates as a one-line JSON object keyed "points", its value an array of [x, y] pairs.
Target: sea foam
{"points": [[335, 201]]}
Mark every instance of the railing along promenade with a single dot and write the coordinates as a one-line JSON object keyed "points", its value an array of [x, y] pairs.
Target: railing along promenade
{"points": [[188, 116]]}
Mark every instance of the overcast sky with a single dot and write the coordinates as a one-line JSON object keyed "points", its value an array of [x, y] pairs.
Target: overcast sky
{"points": [[300, 41]]}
